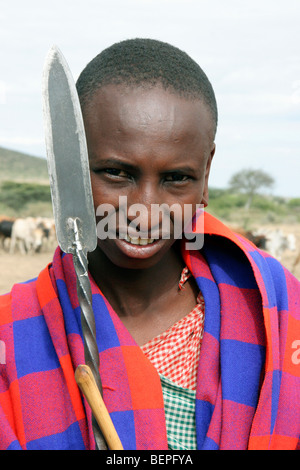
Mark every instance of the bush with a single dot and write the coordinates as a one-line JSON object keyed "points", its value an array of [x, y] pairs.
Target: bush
{"points": [[294, 203], [265, 204], [215, 193], [17, 195], [226, 200]]}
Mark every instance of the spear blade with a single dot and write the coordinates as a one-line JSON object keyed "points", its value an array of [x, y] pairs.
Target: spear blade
{"points": [[67, 155]]}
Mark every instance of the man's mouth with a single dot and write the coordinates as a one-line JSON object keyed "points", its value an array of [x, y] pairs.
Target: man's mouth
{"points": [[139, 240], [138, 246]]}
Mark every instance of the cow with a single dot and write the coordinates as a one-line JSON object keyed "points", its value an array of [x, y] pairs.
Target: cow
{"points": [[277, 242], [5, 231], [49, 233], [259, 240], [27, 234]]}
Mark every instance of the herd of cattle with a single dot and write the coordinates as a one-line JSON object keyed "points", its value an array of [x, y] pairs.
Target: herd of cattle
{"points": [[274, 241], [30, 234]]}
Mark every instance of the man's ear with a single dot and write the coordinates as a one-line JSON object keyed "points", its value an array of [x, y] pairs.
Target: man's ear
{"points": [[205, 196]]}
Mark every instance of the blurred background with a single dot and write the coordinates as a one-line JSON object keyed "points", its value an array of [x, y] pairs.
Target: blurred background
{"points": [[250, 51]]}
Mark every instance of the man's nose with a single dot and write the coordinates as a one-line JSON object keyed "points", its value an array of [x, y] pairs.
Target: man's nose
{"points": [[142, 211]]}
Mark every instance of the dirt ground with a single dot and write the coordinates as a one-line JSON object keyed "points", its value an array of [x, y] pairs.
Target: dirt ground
{"points": [[19, 268]]}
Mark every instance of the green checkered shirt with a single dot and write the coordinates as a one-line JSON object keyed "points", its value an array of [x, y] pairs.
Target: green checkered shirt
{"points": [[180, 415]]}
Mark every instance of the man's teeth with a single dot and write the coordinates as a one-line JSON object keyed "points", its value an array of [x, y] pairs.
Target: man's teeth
{"points": [[139, 241]]}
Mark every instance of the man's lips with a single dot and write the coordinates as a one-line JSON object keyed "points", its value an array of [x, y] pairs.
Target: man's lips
{"points": [[139, 248]]}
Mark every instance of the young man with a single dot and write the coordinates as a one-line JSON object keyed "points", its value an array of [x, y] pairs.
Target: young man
{"points": [[199, 346]]}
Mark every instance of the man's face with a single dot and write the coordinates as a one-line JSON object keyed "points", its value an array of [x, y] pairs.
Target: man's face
{"points": [[152, 148]]}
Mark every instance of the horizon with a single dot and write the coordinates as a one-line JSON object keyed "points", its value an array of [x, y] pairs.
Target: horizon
{"points": [[212, 187]]}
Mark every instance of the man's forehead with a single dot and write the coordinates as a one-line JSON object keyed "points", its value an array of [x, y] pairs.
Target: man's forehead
{"points": [[122, 91], [144, 105]]}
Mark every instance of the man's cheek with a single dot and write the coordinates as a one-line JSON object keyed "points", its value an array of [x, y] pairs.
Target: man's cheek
{"points": [[106, 220]]}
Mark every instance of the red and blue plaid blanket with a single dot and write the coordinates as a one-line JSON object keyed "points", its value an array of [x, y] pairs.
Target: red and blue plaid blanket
{"points": [[248, 386]]}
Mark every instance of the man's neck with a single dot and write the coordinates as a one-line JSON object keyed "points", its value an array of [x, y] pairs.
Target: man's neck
{"points": [[134, 287]]}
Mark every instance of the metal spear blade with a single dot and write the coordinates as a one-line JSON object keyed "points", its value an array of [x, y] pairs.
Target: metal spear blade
{"points": [[67, 154], [71, 192]]}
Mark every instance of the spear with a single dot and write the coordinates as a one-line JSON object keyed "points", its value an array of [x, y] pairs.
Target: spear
{"points": [[73, 210]]}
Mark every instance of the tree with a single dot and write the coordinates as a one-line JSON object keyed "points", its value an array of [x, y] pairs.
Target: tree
{"points": [[250, 182]]}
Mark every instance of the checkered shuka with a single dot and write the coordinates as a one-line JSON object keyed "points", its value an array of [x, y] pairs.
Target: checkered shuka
{"points": [[179, 405], [248, 377]]}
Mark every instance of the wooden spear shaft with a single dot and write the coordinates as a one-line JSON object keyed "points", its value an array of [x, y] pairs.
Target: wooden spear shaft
{"points": [[87, 384]]}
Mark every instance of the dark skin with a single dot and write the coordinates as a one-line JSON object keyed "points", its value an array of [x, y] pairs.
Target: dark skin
{"points": [[153, 147]]}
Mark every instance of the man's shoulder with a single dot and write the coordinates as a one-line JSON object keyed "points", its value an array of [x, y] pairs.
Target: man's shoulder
{"points": [[26, 299], [21, 298], [5, 308], [268, 270]]}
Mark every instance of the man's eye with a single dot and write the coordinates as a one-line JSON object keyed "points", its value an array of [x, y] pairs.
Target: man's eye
{"points": [[111, 172], [115, 172], [176, 177]]}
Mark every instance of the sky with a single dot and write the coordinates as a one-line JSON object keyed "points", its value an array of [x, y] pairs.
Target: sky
{"points": [[249, 49]]}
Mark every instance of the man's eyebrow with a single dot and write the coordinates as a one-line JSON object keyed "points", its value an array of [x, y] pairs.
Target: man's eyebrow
{"points": [[181, 169], [107, 162]]}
